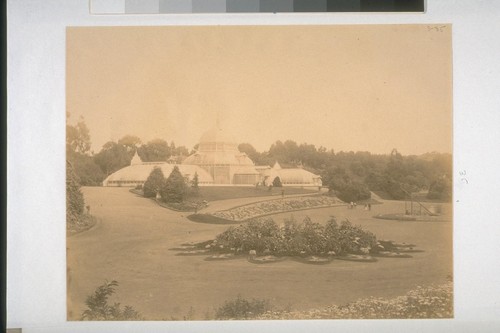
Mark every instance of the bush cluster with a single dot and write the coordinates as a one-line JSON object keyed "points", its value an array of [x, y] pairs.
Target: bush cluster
{"points": [[172, 189], [344, 187], [154, 182], [440, 189], [76, 218], [242, 308], [295, 239], [352, 191], [99, 309]]}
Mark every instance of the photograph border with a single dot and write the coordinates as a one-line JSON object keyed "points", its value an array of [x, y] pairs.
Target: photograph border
{"points": [[36, 104]]}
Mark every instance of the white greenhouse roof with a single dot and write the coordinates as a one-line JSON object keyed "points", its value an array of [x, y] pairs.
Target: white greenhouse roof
{"points": [[140, 172]]}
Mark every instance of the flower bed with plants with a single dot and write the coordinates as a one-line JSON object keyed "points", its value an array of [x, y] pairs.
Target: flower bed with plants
{"points": [[265, 236], [262, 208], [262, 238]]}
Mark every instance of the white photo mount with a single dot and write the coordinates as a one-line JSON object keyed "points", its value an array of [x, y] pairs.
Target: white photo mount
{"points": [[36, 277]]}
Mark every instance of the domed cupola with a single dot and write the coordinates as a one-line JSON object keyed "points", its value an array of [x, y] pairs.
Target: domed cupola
{"points": [[217, 139]]}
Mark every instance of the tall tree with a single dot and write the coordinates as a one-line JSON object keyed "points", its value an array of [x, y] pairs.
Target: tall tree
{"points": [[174, 189], [88, 172], [131, 142], [250, 151], [112, 157], [154, 151], [154, 183], [440, 189], [195, 185], [77, 153], [78, 137], [74, 197]]}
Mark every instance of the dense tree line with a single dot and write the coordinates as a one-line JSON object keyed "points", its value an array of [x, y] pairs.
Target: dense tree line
{"points": [[351, 175], [92, 168]]}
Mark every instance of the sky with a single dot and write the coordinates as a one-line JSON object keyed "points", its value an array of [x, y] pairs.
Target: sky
{"points": [[346, 87]]}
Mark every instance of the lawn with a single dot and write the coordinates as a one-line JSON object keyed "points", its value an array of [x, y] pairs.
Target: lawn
{"points": [[213, 193], [132, 239]]}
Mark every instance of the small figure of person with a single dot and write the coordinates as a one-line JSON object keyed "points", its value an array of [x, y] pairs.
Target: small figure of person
{"points": [[369, 206], [351, 205], [88, 209]]}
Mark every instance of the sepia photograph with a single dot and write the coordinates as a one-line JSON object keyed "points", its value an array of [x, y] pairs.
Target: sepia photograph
{"points": [[259, 172]]}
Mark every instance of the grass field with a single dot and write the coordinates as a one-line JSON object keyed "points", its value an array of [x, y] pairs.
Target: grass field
{"points": [[213, 193], [131, 244]]}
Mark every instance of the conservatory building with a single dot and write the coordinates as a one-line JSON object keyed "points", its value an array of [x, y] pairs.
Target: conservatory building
{"points": [[218, 155], [138, 171], [217, 162]]}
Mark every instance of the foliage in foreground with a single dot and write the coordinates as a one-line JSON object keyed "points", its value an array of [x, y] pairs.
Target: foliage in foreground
{"points": [[99, 309], [291, 238], [420, 303], [241, 308]]}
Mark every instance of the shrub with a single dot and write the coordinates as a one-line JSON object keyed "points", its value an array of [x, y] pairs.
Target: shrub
{"points": [[174, 188], [346, 189], [74, 197], [99, 309], [154, 183], [259, 235], [294, 239], [353, 238], [277, 182], [332, 236], [352, 191], [87, 171], [195, 186], [440, 189], [313, 236], [393, 188], [241, 308]]}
